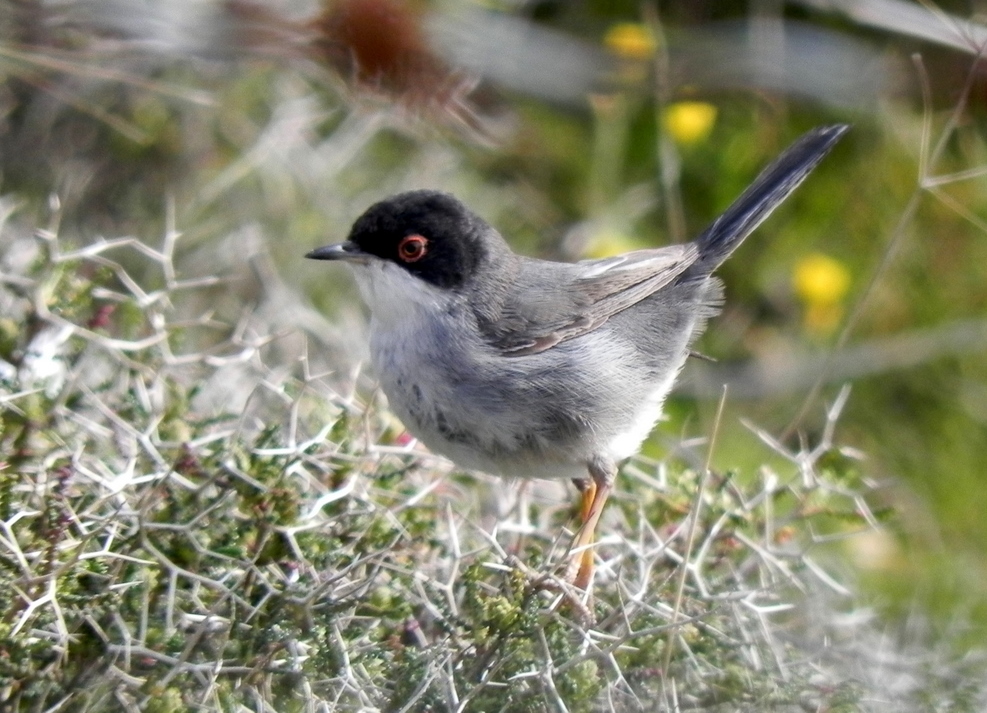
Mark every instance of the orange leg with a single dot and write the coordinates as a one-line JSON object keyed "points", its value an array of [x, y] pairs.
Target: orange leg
{"points": [[594, 494]]}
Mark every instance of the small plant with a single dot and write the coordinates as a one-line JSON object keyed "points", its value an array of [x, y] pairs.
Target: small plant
{"points": [[162, 549]]}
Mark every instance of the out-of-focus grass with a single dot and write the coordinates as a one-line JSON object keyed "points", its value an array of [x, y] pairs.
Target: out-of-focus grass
{"points": [[257, 159]]}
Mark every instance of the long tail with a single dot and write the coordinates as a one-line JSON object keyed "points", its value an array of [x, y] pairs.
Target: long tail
{"points": [[767, 191]]}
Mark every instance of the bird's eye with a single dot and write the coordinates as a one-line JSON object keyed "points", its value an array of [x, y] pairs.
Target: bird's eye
{"points": [[412, 248]]}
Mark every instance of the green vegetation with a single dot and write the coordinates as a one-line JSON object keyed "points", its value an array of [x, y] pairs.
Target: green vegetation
{"points": [[205, 504], [161, 554]]}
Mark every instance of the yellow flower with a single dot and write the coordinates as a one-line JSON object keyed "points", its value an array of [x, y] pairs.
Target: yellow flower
{"points": [[821, 283], [630, 40], [689, 121], [819, 279]]}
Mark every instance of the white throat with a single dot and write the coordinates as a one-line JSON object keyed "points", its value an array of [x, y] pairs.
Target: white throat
{"points": [[396, 298]]}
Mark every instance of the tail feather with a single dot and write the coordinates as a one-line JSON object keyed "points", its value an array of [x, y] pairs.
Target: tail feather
{"points": [[768, 190]]}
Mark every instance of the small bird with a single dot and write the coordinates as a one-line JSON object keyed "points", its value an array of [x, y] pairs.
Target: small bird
{"points": [[537, 369]]}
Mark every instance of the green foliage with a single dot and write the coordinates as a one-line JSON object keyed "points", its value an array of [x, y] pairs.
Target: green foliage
{"points": [[203, 506], [164, 554]]}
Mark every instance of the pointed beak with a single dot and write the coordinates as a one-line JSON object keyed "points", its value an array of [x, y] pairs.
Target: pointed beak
{"points": [[340, 251]]}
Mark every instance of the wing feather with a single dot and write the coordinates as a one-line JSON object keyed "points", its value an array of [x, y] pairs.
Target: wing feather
{"points": [[551, 305], [548, 303]]}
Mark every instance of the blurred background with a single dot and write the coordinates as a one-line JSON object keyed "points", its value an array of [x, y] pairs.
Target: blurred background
{"points": [[579, 129]]}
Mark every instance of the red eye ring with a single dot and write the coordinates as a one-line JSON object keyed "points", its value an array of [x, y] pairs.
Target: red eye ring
{"points": [[412, 248]]}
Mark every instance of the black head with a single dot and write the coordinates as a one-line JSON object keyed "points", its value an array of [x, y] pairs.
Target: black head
{"points": [[428, 233]]}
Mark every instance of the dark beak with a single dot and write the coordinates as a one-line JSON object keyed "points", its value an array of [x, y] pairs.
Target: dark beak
{"points": [[340, 251]]}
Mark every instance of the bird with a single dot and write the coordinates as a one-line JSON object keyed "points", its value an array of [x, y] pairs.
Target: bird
{"points": [[530, 368]]}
